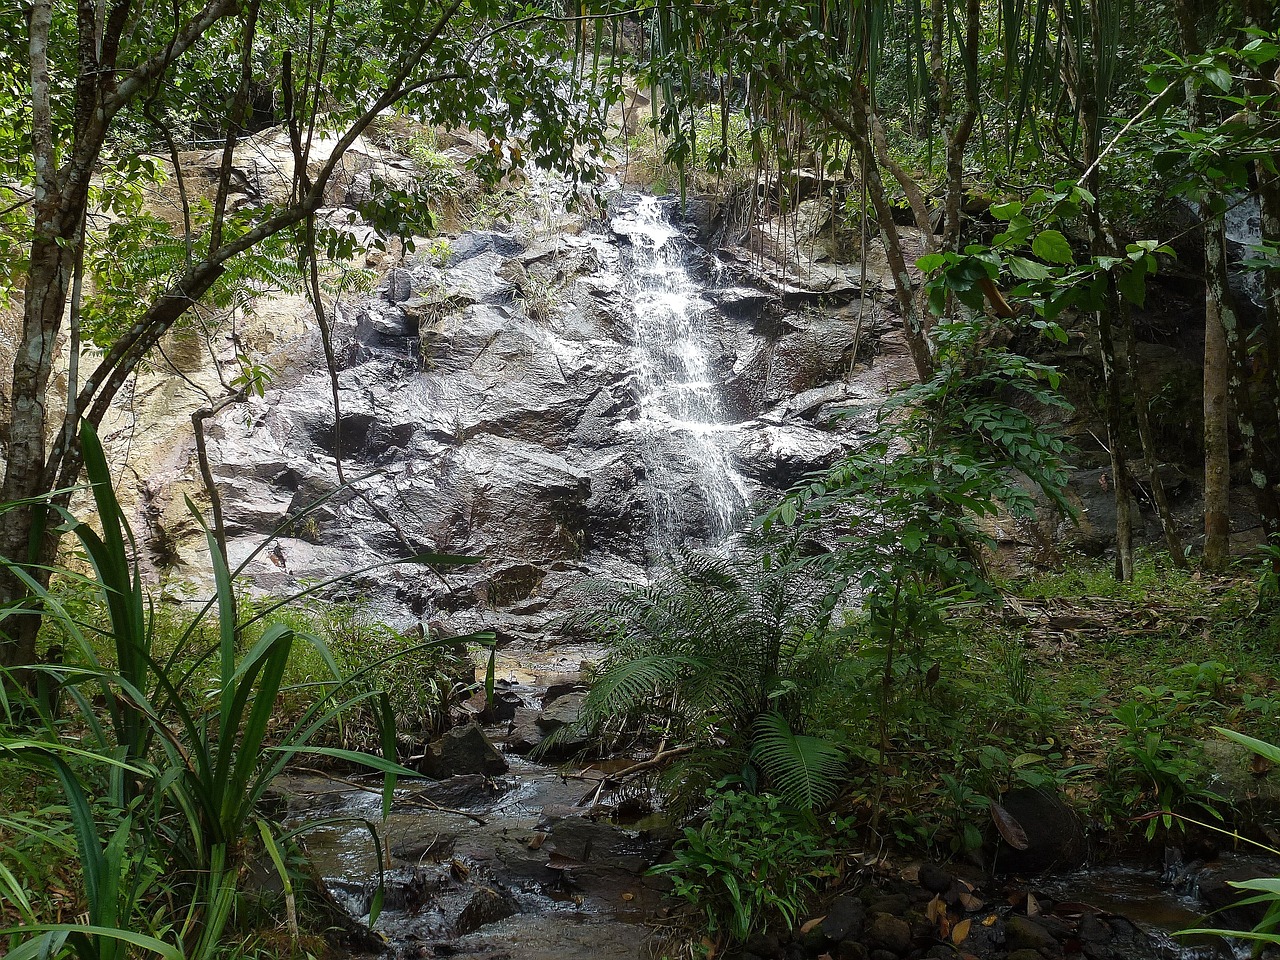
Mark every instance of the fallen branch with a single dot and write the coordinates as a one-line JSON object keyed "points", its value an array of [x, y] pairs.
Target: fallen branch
{"points": [[616, 779]]}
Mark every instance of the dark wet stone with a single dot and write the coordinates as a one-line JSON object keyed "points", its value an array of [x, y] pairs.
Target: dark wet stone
{"points": [[934, 879], [765, 944], [397, 286], [850, 950], [466, 791], [434, 846], [505, 705], [523, 734], [602, 845], [462, 750], [889, 932], [1055, 835], [1122, 927], [1093, 929], [845, 918], [562, 712], [560, 688], [896, 904], [1024, 933], [485, 906]]}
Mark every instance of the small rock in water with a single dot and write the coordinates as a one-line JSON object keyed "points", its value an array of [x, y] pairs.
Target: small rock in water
{"points": [[485, 906], [462, 750]]}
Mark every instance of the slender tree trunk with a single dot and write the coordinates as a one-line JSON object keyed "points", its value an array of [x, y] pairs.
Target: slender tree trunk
{"points": [[1084, 74], [57, 217], [1265, 360], [1142, 416], [1217, 452], [1217, 361], [1113, 376], [1266, 473]]}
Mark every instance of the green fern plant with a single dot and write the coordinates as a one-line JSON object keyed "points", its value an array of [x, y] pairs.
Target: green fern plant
{"points": [[722, 653]]}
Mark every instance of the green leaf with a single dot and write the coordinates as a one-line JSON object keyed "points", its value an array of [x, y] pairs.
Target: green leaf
{"points": [[1267, 751], [371, 760], [806, 770], [1219, 76], [1051, 245], [35, 949], [1006, 211], [1025, 269], [1132, 284]]}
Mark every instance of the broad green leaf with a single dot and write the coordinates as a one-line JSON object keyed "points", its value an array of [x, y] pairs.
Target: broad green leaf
{"points": [[1219, 76], [1268, 751], [35, 949], [1025, 269], [1051, 245], [1006, 211], [1132, 285]]}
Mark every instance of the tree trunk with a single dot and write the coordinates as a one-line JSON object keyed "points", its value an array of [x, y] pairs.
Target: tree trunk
{"points": [[1142, 417], [1265, 358], [1112, 374], [23, 530], [1217, 452], [1085, 75], [1266, 475], [1217, 364]]}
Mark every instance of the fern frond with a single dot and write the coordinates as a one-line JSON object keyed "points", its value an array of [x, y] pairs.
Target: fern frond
{"points": [[629, 685], [806, 770]]}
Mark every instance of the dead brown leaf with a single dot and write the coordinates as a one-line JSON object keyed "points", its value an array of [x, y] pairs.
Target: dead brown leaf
{"points": [[1010, 829], [937, 908]]}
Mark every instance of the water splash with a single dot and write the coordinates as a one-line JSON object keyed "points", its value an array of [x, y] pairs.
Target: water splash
{"points": [[681, 415]]}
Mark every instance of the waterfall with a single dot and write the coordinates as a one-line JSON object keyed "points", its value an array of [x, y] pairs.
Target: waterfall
{"points": [[685, 439]]}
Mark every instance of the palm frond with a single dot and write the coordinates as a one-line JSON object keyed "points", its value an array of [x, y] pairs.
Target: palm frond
{"points": [[805, 770]]}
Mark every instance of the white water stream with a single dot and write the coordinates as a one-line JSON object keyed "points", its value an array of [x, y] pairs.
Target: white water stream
{"points": [[682, 419]]}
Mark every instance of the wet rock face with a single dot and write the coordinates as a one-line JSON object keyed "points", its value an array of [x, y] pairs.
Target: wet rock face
{"points": [[489, 407]]}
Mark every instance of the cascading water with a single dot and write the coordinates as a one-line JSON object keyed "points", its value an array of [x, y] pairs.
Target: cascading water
{"points": [[681, 416]]}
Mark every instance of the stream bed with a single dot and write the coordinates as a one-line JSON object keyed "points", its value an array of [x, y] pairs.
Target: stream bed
{"points": [[517, 865], [527, 865]]}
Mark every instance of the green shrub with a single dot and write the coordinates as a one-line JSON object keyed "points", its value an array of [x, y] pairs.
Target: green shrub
{"points": [[722, 653], [752, 862]]}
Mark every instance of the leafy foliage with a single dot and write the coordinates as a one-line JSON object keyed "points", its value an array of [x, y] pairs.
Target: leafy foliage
{"points": [[805, 770], [712, 645], [905, 510], [751, 862], [164, 793]]}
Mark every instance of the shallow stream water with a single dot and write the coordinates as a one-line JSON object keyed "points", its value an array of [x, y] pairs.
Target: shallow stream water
{"points": [[1144, 896]]}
